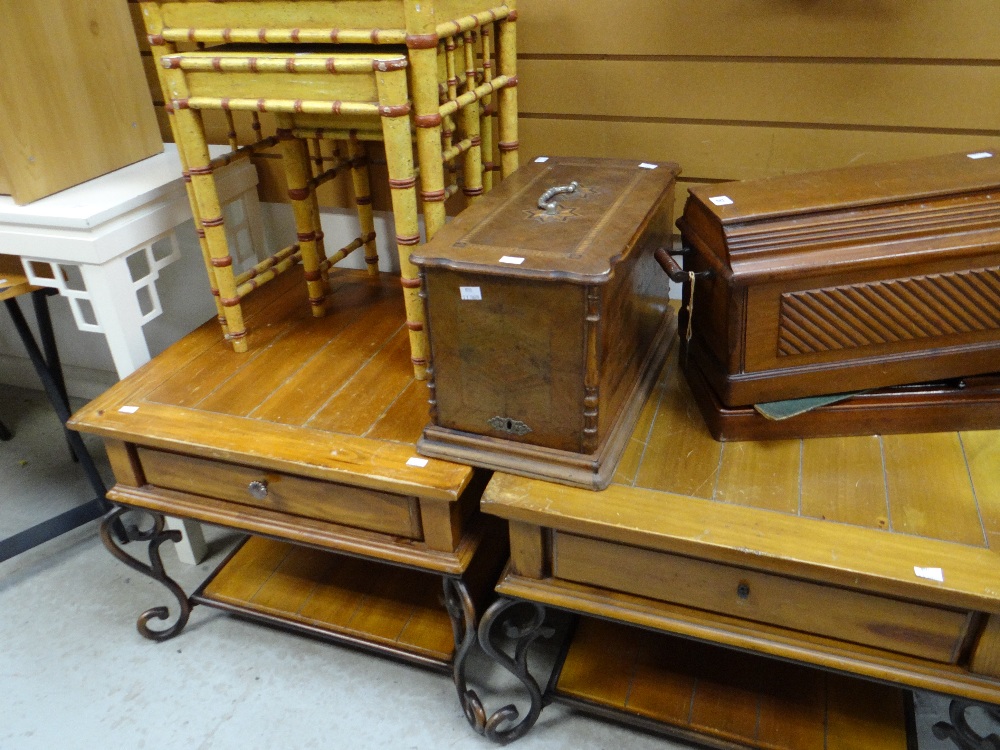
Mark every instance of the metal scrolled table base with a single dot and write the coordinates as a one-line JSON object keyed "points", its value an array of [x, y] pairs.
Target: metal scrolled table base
{"points": [[156, 535], [523, 634], [462, 612], [961, 732]]}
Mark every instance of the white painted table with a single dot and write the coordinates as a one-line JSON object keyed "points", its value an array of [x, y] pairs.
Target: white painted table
{"points": [[80, 241]]}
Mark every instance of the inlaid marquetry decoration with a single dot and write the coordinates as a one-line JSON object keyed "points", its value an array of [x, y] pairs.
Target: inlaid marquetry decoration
{"points": [[560, 215], [920, 307]]}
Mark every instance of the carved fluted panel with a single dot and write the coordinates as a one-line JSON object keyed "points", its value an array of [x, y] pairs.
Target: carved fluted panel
{"points": [[883, 312]]}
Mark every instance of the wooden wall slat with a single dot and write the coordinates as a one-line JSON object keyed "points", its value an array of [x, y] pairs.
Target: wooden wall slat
{"points": [[733, 152], [922, 29], [901, 96]]}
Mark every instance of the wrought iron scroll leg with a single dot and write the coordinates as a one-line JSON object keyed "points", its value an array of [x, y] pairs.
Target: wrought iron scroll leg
{"points": [[523, 635], [961, 733], [156, 536], [462, 612]]}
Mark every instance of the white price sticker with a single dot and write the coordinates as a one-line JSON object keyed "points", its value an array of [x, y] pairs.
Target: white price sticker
{"points": [[512, 260], [722, 200], [470, 292], [647, 165], [980, 155], [129, 409], [418, 462], [934, 574], [541, 159]]}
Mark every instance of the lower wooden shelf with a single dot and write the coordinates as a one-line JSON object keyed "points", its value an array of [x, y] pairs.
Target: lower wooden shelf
{"points": [[389, 609], [724, 698]]}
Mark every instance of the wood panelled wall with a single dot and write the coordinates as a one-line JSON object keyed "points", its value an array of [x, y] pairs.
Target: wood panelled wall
{"points": [[736, 89]]}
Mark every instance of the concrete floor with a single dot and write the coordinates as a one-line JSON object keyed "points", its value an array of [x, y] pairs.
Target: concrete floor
{"points": [[75, 673]]}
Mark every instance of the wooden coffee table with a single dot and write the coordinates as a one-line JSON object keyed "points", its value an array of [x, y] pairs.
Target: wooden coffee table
{"points": [[872, 557], [306, 443]]}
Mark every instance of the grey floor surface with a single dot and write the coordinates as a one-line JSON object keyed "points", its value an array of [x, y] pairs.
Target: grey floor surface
{"points": [[74, 673]]}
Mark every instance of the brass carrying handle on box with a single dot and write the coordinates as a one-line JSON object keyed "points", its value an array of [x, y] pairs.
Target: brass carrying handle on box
{"points": [[547, 204]]}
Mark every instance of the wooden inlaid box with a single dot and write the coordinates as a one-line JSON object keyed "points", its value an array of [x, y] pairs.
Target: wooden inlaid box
{"points": [[846, 279], [548, 324]]}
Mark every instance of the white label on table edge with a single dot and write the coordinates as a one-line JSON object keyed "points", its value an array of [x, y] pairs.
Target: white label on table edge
{"points": [[418, 462], [512, 260], [934, 574], [129, 409], [721, 200], [541, 159], [647, 165], [980, 155], [470, 292]]}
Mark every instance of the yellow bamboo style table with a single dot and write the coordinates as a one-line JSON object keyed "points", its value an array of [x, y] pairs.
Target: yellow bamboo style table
{"points": [[306, 444], [874, 557], [371, 70]]}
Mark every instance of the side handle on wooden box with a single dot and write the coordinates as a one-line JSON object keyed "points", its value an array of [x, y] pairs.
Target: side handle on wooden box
{"points": [[677, 274]]}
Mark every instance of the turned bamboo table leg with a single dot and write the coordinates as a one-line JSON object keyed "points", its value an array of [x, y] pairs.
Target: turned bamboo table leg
{"points": [[395, 109], [358, 156], [296, 163], [193, 146], [422, 51], [507, 59], [486, 124], [472, 165], [159, 47]]}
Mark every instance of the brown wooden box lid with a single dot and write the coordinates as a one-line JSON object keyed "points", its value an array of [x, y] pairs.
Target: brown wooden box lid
{"points": [[506, 233], [851, 187]]}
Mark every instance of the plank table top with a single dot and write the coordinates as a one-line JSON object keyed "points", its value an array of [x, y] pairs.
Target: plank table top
{"points": [[330, 398]]}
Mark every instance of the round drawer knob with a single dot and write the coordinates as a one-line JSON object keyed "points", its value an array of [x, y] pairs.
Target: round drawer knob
{"points": [[258, 489], [743, 591]]}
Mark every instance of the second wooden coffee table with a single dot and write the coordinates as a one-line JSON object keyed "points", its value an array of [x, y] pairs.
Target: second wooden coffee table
{"points": [[871, 556]]}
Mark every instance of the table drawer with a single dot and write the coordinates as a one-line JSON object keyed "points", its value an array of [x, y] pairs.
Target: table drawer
{"points": [[284, 493], [900, 626]]}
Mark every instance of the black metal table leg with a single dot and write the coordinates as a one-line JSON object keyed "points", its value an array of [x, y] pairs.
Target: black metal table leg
{"points": [[55, 389], [462, 613], [156, 535], [961, 732], [523, 633], [47, 339]]}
